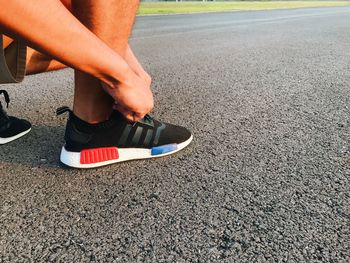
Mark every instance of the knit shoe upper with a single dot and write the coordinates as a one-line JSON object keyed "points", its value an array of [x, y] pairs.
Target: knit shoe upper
{"points": [[117, 140], [11, 128]]}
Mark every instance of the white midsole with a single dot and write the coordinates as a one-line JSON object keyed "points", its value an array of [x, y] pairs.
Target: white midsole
{"points": [[72, 159], [10, 139]]}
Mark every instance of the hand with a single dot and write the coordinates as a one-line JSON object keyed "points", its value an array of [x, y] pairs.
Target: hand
{"points": [[133, 97]]}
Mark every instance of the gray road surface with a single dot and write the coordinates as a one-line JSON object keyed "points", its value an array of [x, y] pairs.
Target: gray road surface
{"points": [[266, 179]]}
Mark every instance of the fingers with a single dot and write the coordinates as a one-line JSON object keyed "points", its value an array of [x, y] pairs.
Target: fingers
{"points": [[129, 115], [135, 100]]}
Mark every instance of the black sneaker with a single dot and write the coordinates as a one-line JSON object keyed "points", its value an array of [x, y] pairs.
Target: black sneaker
{"points": [[11, 128], [117, 140]]}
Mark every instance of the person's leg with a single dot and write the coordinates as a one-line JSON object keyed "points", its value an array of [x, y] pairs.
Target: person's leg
{"points": [[50, 28], [11, 128], [111, 21], [38, 62], [91, 13]]}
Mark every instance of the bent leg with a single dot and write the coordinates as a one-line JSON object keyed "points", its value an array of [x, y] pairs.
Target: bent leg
{"points": [[50, 28], [38, 62], [111, 21]]}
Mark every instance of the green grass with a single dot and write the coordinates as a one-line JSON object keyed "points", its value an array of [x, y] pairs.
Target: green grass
{"points": [[148, 8]]}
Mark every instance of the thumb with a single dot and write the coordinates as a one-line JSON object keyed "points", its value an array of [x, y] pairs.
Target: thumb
{"points": [[129, 115]]}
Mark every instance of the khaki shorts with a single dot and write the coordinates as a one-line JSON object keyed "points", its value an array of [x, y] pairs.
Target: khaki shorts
{"points": [[12, 62]]}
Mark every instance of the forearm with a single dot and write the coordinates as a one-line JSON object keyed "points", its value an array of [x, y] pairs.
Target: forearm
{"points": [[50, 28], [38, 63], [136, 65], [132, 60]]}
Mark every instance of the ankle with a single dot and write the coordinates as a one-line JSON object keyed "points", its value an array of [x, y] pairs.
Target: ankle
{"points": [[92, 117]]}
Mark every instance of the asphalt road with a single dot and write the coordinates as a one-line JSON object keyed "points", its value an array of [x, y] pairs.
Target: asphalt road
{"points": [[266, 179]]}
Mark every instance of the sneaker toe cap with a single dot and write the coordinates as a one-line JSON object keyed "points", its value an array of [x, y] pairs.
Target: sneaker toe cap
{"points": [[19, 125], [174, 134]]}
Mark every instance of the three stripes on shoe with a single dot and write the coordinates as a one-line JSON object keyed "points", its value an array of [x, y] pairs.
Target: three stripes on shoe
{"points": [[117, 140]]}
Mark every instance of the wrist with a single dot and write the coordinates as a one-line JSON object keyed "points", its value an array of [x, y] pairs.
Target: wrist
{"points": [[124, 74]]}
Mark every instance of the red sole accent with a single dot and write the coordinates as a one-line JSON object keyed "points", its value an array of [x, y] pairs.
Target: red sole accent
{"points": [[98, 155]]}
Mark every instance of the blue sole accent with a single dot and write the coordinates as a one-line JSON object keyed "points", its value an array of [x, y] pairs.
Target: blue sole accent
{"points": [[164, 149]]}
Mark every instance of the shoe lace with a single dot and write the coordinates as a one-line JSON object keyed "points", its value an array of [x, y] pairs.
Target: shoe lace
{"points": [[6, 96], [148, 117], [62, 110]]}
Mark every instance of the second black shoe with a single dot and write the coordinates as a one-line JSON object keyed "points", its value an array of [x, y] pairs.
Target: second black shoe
{"points": [[11, 128], [117, 140]]}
